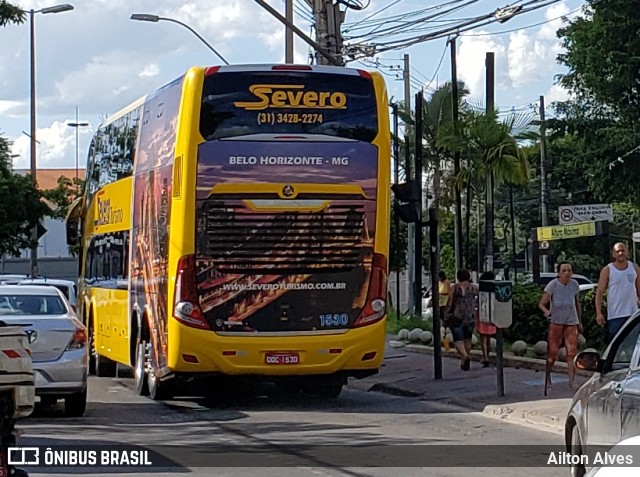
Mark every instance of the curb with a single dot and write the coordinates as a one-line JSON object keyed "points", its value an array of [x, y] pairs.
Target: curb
{"points": [[509, 361], [519, 416]]}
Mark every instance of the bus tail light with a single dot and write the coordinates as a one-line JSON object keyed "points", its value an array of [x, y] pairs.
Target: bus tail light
{"points": [[376, 305], [211, 70], [365, 74], [186, 308]]}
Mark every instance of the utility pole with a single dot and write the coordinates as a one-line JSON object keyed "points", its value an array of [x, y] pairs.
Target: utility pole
{"points": [[396, 177], [490, 100], [331, 60], [458, 241], [490, 92], [543, 179], [328, 23], [411, 228], [288, 37], [419, 227]]}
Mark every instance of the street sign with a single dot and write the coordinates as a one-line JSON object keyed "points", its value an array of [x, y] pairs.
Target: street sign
{"points": [[559, 232], [572, 214], [544, 245], [636, 236]]}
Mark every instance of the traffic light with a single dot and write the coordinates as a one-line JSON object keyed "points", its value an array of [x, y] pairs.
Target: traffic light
{"points": [[407, 195]]}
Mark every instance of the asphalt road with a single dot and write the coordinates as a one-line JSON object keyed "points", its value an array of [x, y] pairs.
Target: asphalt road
{"points": [[260, 431]]}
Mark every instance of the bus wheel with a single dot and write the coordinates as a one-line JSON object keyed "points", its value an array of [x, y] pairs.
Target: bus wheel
{"points": [[92, 356], [102, 367], [158, 390], [332, 390], [140, 369]]}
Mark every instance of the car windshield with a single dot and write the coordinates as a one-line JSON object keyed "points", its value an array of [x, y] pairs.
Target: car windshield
{"points": [[31, 305], [622, 357]]}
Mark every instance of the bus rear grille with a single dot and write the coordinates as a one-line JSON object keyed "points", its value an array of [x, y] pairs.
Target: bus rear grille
{"points": [[239, 240]]}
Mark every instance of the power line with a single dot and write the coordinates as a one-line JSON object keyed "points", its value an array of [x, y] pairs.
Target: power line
{"points": [[525, 27], [478, 21], [444, 52]]}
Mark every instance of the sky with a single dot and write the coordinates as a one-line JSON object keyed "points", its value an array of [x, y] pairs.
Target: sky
{"points": [[94, 58]]}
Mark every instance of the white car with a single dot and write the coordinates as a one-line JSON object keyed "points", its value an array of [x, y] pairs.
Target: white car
{"points": [[67, 287], [16, 371], [9, 279], [623, 448], [59, 343]]}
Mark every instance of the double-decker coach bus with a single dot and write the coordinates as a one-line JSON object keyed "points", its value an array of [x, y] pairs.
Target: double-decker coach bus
{"points": [[236, 222]]}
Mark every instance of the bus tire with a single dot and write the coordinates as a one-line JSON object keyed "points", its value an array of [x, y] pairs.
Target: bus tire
{"points": [[92, 357], [105, 368], [140, 368], [332, 390], [159, 390]]}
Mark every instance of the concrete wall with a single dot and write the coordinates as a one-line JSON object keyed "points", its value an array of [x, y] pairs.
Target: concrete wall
{"points": [[62, 267]]}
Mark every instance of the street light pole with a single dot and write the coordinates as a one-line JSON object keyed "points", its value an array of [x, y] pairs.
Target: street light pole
{"points": [[32, 163], [77, 125], [145, 17]]}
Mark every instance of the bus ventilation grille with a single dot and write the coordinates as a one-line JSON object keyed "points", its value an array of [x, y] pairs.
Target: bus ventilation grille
{"points": [[241, 240]]}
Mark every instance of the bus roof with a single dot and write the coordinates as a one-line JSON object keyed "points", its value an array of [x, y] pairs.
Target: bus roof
{"points": [[130, 107], [244, 68], [289, 67]]}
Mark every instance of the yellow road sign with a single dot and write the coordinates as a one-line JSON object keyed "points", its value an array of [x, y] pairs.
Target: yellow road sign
{"points": [[559, 232]]}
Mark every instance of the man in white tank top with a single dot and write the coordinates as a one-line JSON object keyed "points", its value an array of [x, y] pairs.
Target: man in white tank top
{"points": [[622, 280]]}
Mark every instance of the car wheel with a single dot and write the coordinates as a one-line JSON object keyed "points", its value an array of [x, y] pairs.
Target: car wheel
{"points": [[75, 404], [140, 369], [48, 400], [577, 470]]}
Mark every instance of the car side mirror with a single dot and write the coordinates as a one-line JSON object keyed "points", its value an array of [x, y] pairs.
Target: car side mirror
{"points": [[588, 361]]}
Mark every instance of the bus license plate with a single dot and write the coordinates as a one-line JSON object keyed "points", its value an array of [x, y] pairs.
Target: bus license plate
{"points": [[282, 358]]}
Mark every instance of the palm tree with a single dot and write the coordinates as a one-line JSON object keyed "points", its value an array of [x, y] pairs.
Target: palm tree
{"points": [[498, 159], [10, 13]]}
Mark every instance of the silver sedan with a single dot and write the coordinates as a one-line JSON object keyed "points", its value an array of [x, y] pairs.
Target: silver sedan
{"points": [[58, 343]]}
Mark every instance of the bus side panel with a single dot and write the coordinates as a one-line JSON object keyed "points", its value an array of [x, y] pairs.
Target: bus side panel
{"points": [[383, 141], [153, 172], [184, 198], [104, 290]]}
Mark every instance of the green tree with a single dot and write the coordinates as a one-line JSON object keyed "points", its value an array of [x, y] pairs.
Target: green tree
{"points": [[65, 193], [21, 207], [10, 13], [602, 54]]}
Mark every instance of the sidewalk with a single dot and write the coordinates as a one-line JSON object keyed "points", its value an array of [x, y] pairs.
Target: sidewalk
{"points": [[409, 371]]}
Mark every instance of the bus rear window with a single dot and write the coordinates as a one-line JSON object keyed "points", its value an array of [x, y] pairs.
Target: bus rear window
{"points": [[246, 103]]}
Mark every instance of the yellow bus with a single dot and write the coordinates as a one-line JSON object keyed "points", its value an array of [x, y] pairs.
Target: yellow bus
{"points": [[236, 222]]}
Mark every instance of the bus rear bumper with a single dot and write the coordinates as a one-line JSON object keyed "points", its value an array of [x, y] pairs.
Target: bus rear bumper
{"points": [[358, 352]]}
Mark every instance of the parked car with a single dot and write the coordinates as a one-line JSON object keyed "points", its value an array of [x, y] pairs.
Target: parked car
{"points": [[622, 448], [16, 370], [606, 409], [59, 347], [17, 389], [586, 287], [546, 277], [9, 279], [67, 287]]}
